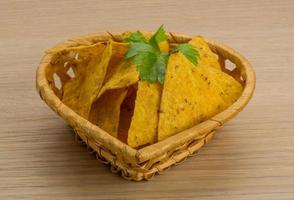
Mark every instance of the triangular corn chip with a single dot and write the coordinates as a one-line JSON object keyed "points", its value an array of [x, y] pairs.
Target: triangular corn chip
{"points": [[207, 57], [144, 122], [124, 75], [192, 94], [119, 50], [229, 89], [81, 91], [77, 57], [105, 111]]}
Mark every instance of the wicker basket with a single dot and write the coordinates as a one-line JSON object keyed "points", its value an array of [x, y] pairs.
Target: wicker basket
{"points": [[144, 163]]}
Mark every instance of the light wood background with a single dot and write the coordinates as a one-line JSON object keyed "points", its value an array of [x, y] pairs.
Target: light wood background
{"points": [[251, 157]]}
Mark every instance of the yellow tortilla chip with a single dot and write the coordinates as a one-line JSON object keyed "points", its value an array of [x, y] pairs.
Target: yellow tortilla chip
{"points": [[105, 112], [229, 89], [119, 50], [77, 57], [81, 91], [207, 57], [192, 94], [125, 75], [71, 57], [144, 122]]}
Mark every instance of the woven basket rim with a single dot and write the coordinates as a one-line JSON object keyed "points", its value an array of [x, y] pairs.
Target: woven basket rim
{"points": [[153, 150]]}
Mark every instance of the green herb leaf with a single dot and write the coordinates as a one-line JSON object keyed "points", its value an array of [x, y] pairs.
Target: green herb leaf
{"points": [[151, 62], [137, 48], [145, 65], [189, 52], [151, 66], [159, 36], [135, 37]]}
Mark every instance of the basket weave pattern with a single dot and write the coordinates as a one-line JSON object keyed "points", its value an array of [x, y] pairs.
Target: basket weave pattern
{"points": [[144, 163]]}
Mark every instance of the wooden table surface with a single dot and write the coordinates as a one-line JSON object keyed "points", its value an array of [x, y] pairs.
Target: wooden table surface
{"points": [[251, 157]]}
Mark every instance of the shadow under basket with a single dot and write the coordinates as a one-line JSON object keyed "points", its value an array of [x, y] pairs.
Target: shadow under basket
{"points": [[144, 163]]}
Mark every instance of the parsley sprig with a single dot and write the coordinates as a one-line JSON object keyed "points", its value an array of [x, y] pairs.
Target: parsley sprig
{"points": [[151, 62]]}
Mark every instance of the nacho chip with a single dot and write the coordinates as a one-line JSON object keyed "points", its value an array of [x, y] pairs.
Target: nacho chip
{"points": [[207, 57], [89, 79], [77, 57], [124, 75], [192, 94], [119, 50], [105, 111], [81, 91], [144, 122], [229, 89]]}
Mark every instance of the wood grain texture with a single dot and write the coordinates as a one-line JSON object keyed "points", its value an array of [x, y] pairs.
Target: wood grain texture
{"points": [[251, 157]]}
